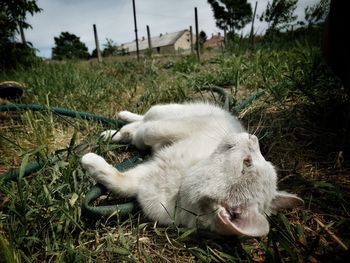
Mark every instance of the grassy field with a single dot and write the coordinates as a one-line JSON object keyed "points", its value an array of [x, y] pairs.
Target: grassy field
{"points": [[296, 119]]}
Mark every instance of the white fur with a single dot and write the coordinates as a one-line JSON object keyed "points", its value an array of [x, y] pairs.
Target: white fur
{"points": [[205, 169]]}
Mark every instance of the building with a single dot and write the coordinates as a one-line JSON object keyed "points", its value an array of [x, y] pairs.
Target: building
{"points": [[169, 43], [214, 41]]}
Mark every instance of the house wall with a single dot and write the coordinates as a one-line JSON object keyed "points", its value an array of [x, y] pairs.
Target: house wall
{"points": [[160, 50], [184, 42], [164, 50]]}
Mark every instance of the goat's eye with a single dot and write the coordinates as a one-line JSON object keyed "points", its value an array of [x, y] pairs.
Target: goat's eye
{"points": [[229, 146]]}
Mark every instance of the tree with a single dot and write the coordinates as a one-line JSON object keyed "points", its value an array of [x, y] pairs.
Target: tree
{"points": [[317, 13], [110, 48], [231, 15], [69, 46], [12, 19], [202, 38], [13, 16], [279, 14]]}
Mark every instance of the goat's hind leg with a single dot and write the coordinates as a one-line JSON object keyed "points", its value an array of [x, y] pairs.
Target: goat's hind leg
{"points": [[129, 116], [163, 132]]}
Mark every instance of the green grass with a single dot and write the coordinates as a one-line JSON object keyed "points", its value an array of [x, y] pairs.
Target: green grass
{"points": [[41, 217]]}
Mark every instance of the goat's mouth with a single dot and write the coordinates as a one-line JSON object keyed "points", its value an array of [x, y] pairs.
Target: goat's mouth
{"points": [[241, 220]]}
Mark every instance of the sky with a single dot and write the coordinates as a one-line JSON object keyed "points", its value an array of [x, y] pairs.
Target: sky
{"points": [[114, 20]]}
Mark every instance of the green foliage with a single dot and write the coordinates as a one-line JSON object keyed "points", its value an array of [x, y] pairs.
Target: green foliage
{"points": [[285, 40], [279, 14], [7, 253], [14, 55], [201, 38], [313, 79], [110, 48], [12, 16], [231, 15], [186, 65], [69, 46], [317, 13]]}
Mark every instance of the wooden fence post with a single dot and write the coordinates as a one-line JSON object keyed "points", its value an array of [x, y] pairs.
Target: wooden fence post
{"points": [[135, 24], [149, 40], [191, 38], [98, 51], [252, 29], [197, 35]]}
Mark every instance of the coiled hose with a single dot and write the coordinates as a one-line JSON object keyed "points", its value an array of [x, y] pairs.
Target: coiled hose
{"points": [[97, 190]]}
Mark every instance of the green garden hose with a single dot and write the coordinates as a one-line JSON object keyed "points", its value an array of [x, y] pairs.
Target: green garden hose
{"points": [[248, 101], [222, 93], [62, 111], [97, 190], [12, 175]]}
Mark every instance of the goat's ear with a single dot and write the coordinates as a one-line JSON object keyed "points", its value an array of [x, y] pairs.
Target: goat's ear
{"points": [[249, 222], [284, 200]]}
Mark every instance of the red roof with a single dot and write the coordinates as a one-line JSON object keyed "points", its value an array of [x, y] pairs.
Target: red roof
{"points": [[214, 41]]}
